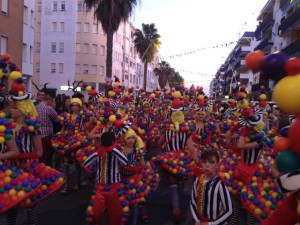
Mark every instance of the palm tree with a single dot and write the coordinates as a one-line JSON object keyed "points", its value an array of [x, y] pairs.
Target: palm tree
{"points": [[146, 42], [110, 13], [163, 71], [175, 79]]}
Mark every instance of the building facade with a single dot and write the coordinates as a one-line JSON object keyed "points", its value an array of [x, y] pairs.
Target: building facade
{"points": [[70, 45]]}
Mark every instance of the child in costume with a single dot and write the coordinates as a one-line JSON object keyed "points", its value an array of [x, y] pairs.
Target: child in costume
{"points": [[210, 200], [177, 140], [107, 162]]}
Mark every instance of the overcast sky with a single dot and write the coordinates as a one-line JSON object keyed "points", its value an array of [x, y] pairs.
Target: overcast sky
{"points": [[190, 29]]}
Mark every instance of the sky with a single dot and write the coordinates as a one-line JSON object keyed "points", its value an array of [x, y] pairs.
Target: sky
{"points": [[200, 29]]}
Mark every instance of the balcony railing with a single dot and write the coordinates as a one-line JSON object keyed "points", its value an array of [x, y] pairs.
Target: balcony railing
{"points": [[293, 48], [263, 44], [290, 21], [264, 25]]}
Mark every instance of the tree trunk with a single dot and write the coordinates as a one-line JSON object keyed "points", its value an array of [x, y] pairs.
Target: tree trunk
{"points": [[145, 75], [109, 51]]}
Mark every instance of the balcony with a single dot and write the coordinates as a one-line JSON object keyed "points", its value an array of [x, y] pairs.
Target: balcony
{"points": [[264, 44], [290, 22], [264, 25], [256, 87], [293, 49], [242, 51]]}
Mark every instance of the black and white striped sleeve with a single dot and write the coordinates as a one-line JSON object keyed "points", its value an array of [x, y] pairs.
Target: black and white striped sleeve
{"points": [[120, 156], [224, 196], [289, 182], [90, 161], [193, 201]]}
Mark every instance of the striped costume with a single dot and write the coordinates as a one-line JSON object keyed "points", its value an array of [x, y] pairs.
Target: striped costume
{"points": [[210, 201], [108, 180]]}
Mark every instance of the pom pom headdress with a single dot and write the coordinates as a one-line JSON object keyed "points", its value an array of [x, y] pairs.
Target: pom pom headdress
{"points": [[17, 91], [201, 102], [120, 125], [263, 104], [249, 117]]}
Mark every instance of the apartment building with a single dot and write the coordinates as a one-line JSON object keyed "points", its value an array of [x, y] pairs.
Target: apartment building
{"points": [[278, 30], [70, 45], [233, 72]]}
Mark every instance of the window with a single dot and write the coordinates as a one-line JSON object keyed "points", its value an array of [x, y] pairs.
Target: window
{"points": [[95, 28], [53, 47], [101, 71], [87, 9], [86, 48], [86, 27], [38, 46], [102, 50], [31, 18], [4, 6], [3, 44], [77, 68], [78, 27], [39, 7], [61, 47], [62, 6], [60, 68], [53, 26], [94, 70], [78, 47], [62, 26], [53, 67], [54, 6], [79, 6], [25, 15], [31, 54], [94, 49], [85, 68], [24, 53], [37, 67]]}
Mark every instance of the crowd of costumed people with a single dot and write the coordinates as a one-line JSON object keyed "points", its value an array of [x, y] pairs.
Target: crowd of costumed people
{"points": [[236, 152]]}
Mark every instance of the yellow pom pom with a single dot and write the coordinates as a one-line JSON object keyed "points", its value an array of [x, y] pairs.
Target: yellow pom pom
{"points": [[201, 97], [2, 115], [2, 128], [287, 94], [111, 93], [1, 74], [88, 88], [20, 93], [2, 140], [12, 192], [15, 75], [21, 194], [263, 97], [117, 84], [112, 118], [31, 128], [152, 95], [177, 94]]}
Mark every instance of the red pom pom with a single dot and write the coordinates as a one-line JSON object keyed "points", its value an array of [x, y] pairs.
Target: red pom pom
{"points": [[292, 66], [262, 103], [254, 60], [16, 87], [176, 103]]}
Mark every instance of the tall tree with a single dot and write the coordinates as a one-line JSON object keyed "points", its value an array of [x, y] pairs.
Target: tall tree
{"points": [[111, 13], [163, 71], [175, 79], [146, 42]]}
